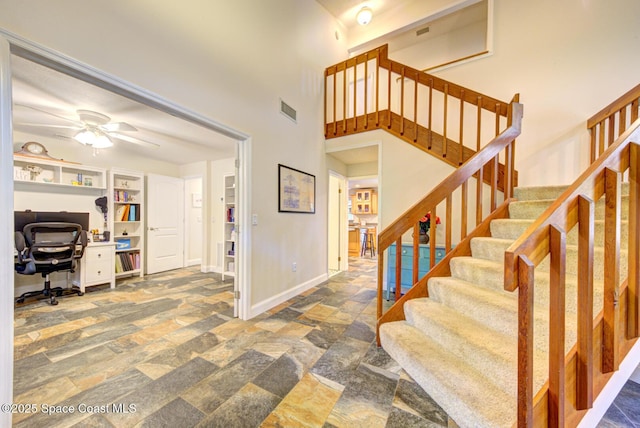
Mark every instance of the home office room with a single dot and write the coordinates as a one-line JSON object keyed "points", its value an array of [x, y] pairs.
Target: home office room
{"points": [[139, 181]]}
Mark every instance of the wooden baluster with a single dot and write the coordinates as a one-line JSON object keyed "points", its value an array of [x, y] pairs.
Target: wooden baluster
{"points": [[366, 90], [448, 219], [622, 121], [556, 397], [461, 157], [612, 129], [601, 142], [633, 287], [415, 108], [432, 238], [479, 195], [446, 111], [430, 139], [398, 267], [344, 100], [525, 342], [494, 182], [335, 113], [389, 93], [497, 119], [464, 199], [611, 333], [592, 132], [355, 96], [380, 282], [416, 252], [479, 125], [508, 172], [377, 87], [326, 72], [634, 110], [584, 369], [402, 102]]}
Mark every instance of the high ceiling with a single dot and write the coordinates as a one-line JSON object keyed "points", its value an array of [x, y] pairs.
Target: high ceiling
{"points": [[46, 103], [346, 10]]}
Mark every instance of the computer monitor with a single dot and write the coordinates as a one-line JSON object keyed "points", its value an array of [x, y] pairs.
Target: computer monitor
{"points": [[22, 218]]}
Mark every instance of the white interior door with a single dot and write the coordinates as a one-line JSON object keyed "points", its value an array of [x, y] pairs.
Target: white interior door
{"points": [[165, 223], [337, 241]]}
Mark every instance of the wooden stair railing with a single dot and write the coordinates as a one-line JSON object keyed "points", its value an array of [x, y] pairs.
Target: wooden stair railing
{"points": [[607, 125], [575, 380], [371, 91], [443, 195]]}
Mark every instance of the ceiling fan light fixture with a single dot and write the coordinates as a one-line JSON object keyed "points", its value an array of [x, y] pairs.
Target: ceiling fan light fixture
{"points": [[364, 15], [93, 138]]}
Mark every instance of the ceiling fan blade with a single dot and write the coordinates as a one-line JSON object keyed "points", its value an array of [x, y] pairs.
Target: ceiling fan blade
{"points": [[40, 110], [118, 127], [134, 140], [44, 125]]}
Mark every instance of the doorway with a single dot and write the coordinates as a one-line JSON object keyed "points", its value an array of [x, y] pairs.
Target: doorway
{"points": [[337, 228]]}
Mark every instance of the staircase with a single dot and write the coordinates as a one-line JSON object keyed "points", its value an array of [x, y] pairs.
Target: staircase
{"points": [[532, 310], [460, 343]]}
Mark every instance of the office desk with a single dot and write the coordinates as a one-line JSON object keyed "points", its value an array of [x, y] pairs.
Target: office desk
{"points": [[97, 266]]}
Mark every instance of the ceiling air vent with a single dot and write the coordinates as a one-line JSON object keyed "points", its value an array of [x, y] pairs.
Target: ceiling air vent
{"points": [[422, 31], [288, 111]]}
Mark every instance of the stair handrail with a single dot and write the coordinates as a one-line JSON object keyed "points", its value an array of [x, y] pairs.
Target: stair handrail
{"points": [[483, 162], [610, 122], [428, 125], [546, 237]]}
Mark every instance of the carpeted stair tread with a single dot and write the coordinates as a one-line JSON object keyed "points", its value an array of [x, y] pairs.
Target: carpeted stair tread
{"points": [[497, 311], [549, 192], [490, 274], [466, 395], [488, 352], [534, 208], [490, 248], [538, 192], [514, 228]]}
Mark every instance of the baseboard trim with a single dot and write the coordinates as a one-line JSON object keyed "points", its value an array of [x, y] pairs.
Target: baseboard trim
{"points": [[271, 302], [611, 390]]}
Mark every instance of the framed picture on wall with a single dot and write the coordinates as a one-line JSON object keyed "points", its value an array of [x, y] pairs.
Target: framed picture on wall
{"points": [[296, 191]]}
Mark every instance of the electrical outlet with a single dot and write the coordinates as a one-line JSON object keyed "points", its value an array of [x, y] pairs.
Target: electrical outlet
{"points": [[294, 267]]}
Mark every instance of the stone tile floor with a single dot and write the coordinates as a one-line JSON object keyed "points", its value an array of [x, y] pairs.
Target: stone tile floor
{"points": [[165, 351], [625, 410]]}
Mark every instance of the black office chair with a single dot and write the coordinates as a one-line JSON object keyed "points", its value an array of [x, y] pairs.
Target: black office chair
{"points": [[49, 247]]}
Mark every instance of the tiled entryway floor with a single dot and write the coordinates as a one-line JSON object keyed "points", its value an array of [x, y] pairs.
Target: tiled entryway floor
{"points": [[165, 351]]}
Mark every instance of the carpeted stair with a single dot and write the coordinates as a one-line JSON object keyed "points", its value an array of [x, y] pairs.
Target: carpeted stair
{"points": [[460, 344]]}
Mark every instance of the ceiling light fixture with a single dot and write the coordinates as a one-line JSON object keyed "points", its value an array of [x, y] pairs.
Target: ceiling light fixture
{"points": [[364, 15], [94, 138]]}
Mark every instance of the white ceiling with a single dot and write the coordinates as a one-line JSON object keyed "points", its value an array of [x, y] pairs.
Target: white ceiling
{"points": [[345, 10], [43, 96]]}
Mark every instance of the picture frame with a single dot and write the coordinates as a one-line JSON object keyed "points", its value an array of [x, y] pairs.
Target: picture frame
{"points": [[296, 191]]}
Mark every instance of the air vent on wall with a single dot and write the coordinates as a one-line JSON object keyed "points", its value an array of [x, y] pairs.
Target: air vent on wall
{"points": [[422, 31], [288, 111]]}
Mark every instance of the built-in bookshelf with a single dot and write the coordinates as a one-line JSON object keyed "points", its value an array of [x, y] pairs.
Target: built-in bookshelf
{"points": [[51, 173], [229, 247], [127, 221]]}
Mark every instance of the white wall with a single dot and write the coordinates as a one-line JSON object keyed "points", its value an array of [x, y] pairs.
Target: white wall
{"points": [[567, 60], [194, 221]]}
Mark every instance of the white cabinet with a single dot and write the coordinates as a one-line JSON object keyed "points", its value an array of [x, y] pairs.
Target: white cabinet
{"points": [[51, 173], [229, 246], [126, 192], [96, 265]]}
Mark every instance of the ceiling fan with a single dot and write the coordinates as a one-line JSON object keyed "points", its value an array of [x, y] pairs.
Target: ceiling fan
{"points": [[92, 129]]}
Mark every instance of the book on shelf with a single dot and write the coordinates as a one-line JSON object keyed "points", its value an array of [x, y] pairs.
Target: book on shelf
{"points": [[119, 212], [230, 214], [132, 213]]}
